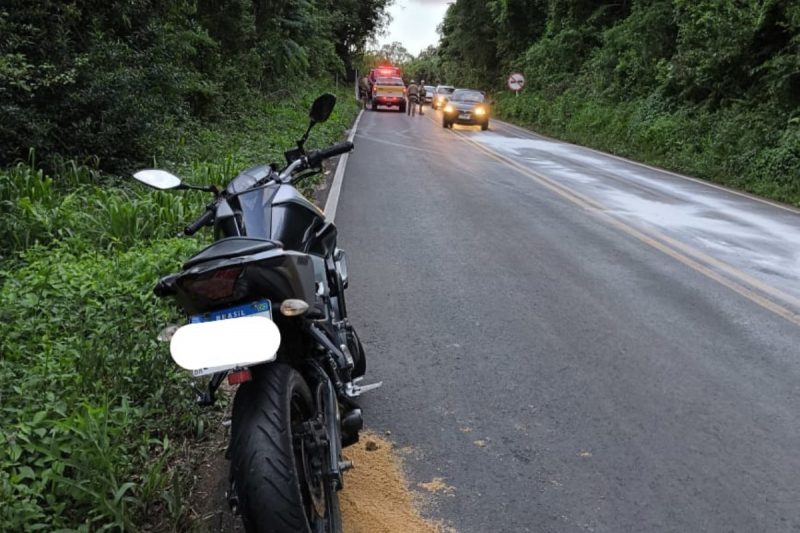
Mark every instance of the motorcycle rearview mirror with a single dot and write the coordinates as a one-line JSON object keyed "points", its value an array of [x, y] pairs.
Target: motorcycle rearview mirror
{"points": [[320, 112], [163, 180], [158, 179], [322, 107]]}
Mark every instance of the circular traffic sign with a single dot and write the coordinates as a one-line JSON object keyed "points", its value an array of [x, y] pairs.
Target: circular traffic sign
{"points": [[516, 81]]}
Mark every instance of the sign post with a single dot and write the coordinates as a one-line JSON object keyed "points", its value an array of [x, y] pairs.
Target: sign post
{"points": [[516, 82]]}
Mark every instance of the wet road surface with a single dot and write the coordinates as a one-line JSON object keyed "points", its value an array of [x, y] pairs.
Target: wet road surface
{"points": [[572, 342]]}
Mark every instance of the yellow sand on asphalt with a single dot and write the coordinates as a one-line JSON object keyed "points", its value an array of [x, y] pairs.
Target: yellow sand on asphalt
{"points": [[376, 498]]}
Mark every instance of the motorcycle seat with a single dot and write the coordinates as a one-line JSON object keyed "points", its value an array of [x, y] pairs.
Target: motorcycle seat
{"points": [[231, 247]]}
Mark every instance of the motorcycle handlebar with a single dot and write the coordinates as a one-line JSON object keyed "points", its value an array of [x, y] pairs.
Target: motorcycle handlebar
{"points": [[317, 156], [204, 219]]}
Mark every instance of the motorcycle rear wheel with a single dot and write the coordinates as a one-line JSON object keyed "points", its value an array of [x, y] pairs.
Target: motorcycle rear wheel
{"points": [[272, 470]]}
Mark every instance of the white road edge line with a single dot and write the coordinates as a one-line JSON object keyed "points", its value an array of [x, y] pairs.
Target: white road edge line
{"points": [[336, 186]]}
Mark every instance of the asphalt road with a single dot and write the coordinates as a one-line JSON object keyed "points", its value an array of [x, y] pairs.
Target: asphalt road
{"points": [[570, 341]]}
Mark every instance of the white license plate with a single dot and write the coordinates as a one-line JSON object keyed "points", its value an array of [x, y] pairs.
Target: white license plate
{"points": [[463, 115], [258, 308]]}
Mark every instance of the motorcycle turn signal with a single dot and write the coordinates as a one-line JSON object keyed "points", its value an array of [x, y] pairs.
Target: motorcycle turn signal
{"points": [[294, 307]]}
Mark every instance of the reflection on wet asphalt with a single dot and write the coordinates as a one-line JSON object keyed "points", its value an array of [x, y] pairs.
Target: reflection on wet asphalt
{"points": [[756, 237]]}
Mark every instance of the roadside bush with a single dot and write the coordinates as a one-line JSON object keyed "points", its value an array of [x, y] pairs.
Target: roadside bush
{"points": [[35, 211], [89, 397], [777, 169]]}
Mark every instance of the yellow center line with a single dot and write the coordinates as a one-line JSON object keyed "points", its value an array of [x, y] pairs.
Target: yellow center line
{"points": [[683, 253]]}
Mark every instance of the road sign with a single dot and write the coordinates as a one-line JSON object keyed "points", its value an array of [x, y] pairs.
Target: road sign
{"points": [[516, 82]]}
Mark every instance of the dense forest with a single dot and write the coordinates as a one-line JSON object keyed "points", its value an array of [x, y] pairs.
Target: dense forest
{"points": [[111, 80], [706, 87], [97, 425]]}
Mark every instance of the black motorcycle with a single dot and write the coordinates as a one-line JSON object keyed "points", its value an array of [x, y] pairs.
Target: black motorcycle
{"points": [[266, 308]]}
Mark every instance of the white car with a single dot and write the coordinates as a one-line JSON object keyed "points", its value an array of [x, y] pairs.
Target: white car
{"points": [[430, 90], [441, 95]]}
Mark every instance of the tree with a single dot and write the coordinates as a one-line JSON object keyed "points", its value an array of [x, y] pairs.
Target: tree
{"points": [[102, 79], [353, 23], [395, 53], [468, 44]]}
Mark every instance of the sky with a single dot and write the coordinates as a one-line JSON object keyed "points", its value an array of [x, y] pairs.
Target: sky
{"points": [[414, 23]]}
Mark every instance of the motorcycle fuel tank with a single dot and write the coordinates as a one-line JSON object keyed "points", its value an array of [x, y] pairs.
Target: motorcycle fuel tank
{"points": [[276, 212]]}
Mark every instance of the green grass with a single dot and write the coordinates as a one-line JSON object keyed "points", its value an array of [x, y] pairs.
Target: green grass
{"points": [[91, 406]]}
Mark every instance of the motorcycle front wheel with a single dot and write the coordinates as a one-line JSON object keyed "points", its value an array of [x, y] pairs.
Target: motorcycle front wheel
{"points": [[277, 478]]}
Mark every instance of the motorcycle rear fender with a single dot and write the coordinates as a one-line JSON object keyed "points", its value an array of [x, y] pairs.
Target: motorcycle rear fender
{"points": [[223, 344], [275, 274]]}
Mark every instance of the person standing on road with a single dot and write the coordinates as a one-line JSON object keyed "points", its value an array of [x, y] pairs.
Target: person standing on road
{"points": [[363, 90], [422, 92], [412, 93]]}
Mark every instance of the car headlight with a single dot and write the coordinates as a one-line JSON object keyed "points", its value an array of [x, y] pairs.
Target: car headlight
{"points": [[480, 111], [448, 108]]}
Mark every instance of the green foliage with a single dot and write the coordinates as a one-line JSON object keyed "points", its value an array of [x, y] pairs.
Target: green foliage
{"points": [[76, 203], [518, 23], [113, 81], [38, 208], [425, 66], [468, 43], [88, 397], [353, 23], [627, 63], [710, 88]]}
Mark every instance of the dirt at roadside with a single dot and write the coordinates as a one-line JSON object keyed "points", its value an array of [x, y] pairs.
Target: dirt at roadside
{"points": [[375, 498]]}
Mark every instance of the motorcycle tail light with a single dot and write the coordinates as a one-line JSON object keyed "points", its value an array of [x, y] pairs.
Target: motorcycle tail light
{"points": [[218, 285]]}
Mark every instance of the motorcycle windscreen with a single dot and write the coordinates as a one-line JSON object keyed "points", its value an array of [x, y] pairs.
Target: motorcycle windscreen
{"points": [[222, 344]]}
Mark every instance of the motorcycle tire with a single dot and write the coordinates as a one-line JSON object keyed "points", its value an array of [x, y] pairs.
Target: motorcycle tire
{"points": [[270, 469]]}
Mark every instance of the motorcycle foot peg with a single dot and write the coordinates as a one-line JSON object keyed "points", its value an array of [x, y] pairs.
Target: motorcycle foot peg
{"points": [[344, 466], [354, 390]]}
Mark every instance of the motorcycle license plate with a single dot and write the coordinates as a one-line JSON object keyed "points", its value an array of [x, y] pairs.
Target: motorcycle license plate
{"points": [[258, 308]]}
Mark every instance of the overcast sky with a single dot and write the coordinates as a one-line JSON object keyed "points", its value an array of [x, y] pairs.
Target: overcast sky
{"points": [[414, 23]]}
